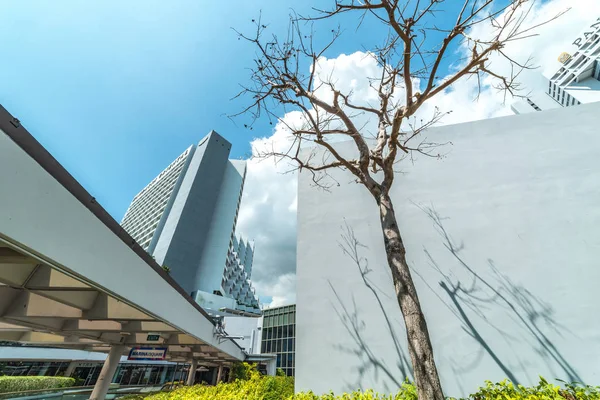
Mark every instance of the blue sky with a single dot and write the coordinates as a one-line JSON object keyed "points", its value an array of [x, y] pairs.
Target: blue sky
{"points": [[116, 90]]}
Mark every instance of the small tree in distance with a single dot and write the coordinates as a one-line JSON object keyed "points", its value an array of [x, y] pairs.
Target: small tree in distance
{"points": [[409, 77]]}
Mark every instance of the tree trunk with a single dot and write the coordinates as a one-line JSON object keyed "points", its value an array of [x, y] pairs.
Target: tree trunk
{"points": [[419, 344]]}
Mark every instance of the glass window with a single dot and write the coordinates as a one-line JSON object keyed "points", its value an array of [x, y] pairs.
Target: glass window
{"points": [[285, 319], [269, 346], [290, 359], [137, 375], [278, 360], [152, 374], [290, 344], [54, 369], [284, 345], [293, 318], [293, 344], [292, 330], [286, 331], [279, 332], [278, 346], [119, 374], [263, 347]]}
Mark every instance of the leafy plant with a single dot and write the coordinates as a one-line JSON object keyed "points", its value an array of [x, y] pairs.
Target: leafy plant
{"points": [[244, 371], [543, 391], [253, 386], [23, 383], [249, 384], [167, 269]]}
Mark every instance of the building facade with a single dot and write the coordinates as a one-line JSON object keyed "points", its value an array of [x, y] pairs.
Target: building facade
{"points": [[85, 366], [245, 331], [279, 336], [577, 79], [148, 207], [502, 236], [186, 218]]}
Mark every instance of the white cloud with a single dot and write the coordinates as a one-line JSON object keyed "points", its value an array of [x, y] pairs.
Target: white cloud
{"points": [[283, 291], [268, 211]]}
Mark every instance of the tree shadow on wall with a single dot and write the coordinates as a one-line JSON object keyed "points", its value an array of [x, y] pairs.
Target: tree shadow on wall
{"points": [[369, 360], [469, 302]]}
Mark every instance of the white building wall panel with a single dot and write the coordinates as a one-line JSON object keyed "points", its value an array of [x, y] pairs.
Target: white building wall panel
{"points": [[508, 275]]}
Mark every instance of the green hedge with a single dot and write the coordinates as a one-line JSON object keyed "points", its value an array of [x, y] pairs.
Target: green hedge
{"points": [[23, 383], [281, 388], [256, 387], [253, 386]]}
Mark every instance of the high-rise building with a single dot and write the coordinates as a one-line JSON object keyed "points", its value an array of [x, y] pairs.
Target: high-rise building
{"points": [[152, 203], [577, 79], [186, 217], [279, 336]]}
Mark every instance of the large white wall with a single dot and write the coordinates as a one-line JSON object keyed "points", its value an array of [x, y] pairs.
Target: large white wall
{"points": [[519, 199]]}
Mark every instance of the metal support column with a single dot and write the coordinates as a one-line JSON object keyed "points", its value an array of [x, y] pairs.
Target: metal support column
{"points": [[71, 368], [107, 372], [219, 374], [192, 374]]}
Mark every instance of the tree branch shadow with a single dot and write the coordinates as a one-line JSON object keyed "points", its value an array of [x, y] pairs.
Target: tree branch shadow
{"points": [[531, 315], [355, 326]]}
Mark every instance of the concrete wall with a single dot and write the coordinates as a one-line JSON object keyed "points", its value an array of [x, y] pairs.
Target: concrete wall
{"points": [[187, 228], [249, 329], [224, 218], [172, 198], [503, 237]]}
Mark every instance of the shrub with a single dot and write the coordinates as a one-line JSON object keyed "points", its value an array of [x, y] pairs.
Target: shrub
{"points": [[258, 387], [243, 371], [23, 383], [543, 391], [407, 392], [249, 384]]}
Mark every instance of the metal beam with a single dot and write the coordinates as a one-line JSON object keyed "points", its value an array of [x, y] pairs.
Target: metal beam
{"points": [[87, 325], [183, 339], [81, 299], [10, 256], [106, 307], [46, 277], [148, 326], [7, 297], [28, 304]]}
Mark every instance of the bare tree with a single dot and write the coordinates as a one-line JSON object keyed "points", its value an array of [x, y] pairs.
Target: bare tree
{"points": [[409, 77]]}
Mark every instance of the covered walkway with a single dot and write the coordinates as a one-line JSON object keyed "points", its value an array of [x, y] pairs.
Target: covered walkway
{"points": [[71, 277]]}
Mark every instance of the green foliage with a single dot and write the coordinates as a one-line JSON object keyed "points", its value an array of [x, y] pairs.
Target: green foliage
{"points": [[243, 371], [280, 372], [23, 383], [167, 269], [506, 390], [257, 387], [248, 385], [406, 392]]}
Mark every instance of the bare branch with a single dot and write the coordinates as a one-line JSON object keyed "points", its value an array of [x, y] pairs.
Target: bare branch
{"points": [[288, 76]]}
